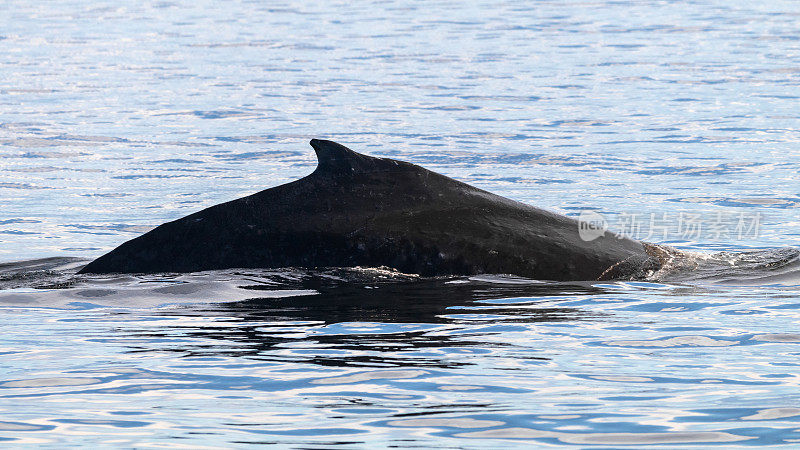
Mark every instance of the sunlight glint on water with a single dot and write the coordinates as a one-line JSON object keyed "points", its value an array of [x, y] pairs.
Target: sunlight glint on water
{"points": [[118, 116]]}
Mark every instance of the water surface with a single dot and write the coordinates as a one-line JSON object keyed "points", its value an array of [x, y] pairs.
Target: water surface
{"points": [[118, 116]]}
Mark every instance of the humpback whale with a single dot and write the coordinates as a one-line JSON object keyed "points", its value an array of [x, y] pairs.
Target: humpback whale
{"points": [[357, 210]]}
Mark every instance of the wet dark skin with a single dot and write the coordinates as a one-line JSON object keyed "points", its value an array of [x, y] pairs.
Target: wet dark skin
{"points": [[357, 210]]}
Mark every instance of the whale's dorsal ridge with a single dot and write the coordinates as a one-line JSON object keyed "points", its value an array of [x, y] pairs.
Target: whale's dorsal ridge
{"points": [[361, 211], [336, 159]]}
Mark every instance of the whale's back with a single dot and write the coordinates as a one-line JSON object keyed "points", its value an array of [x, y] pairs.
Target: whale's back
{"points": [[356, 210]]}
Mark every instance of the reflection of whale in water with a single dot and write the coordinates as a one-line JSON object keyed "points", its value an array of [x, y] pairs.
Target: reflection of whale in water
{"points": [[356, 210], [370, 318]]}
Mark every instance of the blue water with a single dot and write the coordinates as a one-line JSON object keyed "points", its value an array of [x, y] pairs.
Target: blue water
{"points": [[118, 116]]}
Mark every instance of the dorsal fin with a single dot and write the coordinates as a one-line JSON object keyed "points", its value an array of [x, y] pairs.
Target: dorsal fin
{"points": [[334, 159]]}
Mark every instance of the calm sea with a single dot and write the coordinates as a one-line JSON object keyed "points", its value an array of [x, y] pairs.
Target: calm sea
{"points": [[673, 122]]}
